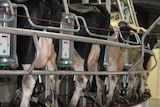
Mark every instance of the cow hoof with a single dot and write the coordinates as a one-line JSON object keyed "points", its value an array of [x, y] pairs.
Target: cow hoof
{"points": [[16, 100], [122, 99], [136, 96]]}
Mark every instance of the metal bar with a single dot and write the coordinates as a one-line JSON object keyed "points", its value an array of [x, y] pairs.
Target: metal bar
{"points": [[49, 27], [108, 5], [66, 36], [99, 1], [94, 34], [132, 12], [156, 63], [65, 4], [35, 39], [85, 1], [61, 72], [120, 9], [26, 32], [12, 12]]}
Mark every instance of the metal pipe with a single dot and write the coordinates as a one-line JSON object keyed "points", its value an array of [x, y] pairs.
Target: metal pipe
{"points": [[108, 5], [28, 32], [94, 34], [60, 72], [12, 12], [19, 31], [85, 1], [50, 27], [132, 12], [156, 63], [65, 6], [35, 40], [99, 1], [120, 9]]}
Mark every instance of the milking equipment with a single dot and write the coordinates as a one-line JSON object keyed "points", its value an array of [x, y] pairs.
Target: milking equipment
{"points": [[66, 46], [7, 50], [7, 41]]}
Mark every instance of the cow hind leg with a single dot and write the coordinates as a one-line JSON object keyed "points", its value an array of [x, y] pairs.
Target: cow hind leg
{"points": [[28, 84], [81, 80], [113, 79], [93, 66], [99, 84], [143, 80], [131, 93], [115, 55], [54, 80]]}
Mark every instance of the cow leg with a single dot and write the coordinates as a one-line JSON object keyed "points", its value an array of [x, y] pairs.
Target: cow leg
{"points": [[132, 86], [28, 84], [99, 84], [120, 65], [92, 66], [113, 79], [48, 56], [114, 53], [15, 64], [93, 59], [133, 79], [54, 80], [81, 80], [143, 79]]}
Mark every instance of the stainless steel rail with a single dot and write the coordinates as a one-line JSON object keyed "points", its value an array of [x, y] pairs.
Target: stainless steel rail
{"points": [[42, 72], [26, 32], [35, 33], [36, 44]]}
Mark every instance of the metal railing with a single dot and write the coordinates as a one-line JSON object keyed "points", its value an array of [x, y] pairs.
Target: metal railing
{"points": [[36, 33], [26, 32]]}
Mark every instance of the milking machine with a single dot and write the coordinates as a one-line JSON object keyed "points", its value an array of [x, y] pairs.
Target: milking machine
{"points": [[66, 47], [7, 50], [65, 56], [7, 41]]}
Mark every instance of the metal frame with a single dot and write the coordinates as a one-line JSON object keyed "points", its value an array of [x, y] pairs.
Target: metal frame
{"points": [[35, 34], [154, 24], [27, 32], [12, 12]]}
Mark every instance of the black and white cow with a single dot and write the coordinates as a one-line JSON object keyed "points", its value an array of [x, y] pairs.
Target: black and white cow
{"points": [[39, 9], [89, 57], [137, 82]]}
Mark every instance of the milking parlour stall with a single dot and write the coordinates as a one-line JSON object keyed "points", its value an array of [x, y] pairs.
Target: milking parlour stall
{"points": [[75, 53]]}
